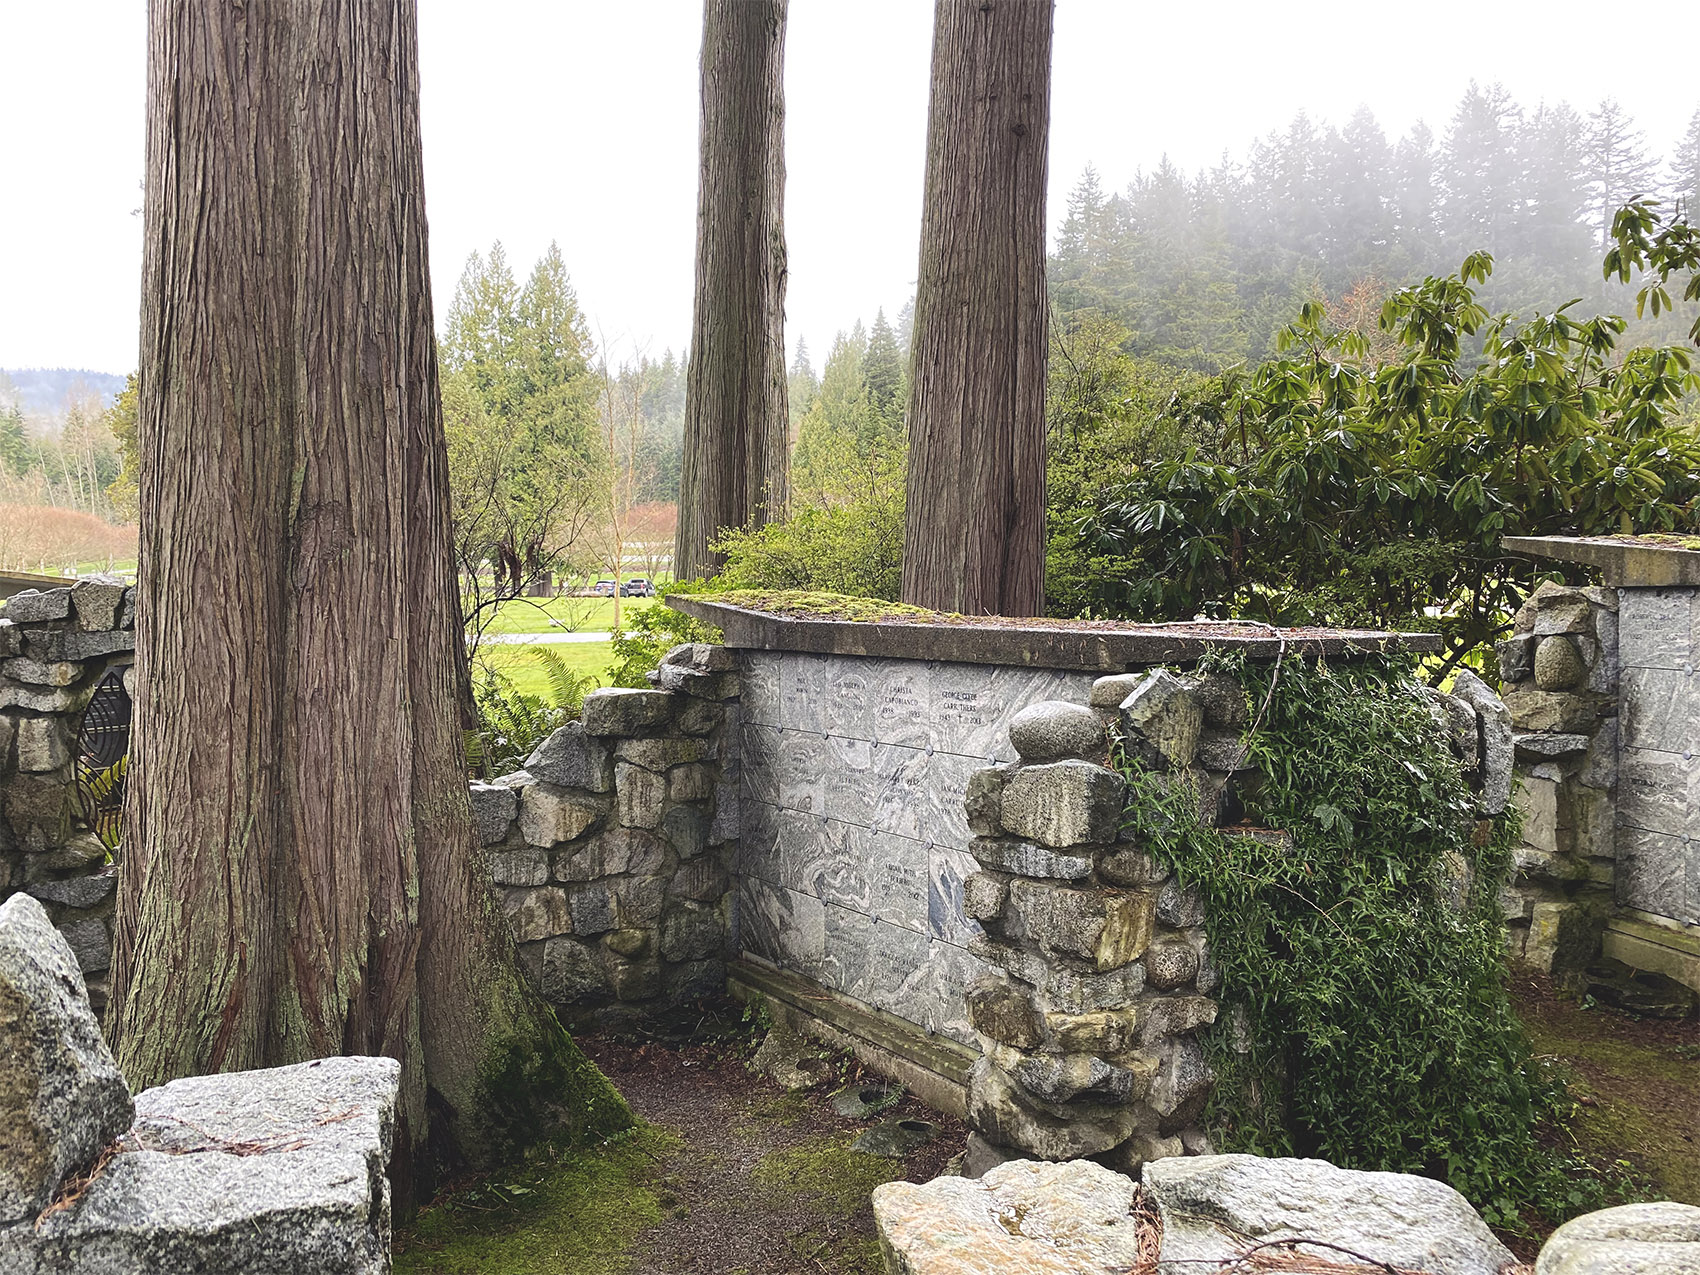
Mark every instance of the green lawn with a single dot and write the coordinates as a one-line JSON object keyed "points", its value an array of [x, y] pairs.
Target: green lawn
{"points": [[522, 665], [570, 615]]}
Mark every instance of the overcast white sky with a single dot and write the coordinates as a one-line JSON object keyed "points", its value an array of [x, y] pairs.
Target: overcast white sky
{"points": [[575, 120]]}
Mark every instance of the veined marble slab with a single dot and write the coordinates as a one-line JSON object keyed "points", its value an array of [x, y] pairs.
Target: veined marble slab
{"points": [[1658, 791], [1660, 709], [782, 926], [1659, 873]]}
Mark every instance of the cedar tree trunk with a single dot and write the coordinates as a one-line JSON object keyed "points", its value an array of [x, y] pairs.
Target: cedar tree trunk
{"points": [[735, 471], [301, 877], [974, 539]]}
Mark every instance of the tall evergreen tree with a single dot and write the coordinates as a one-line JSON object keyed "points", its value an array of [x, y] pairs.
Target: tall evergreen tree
{"points": [[1685, 168], [974, 538], [1617, 166], [301, 873], [882, 374], [735, 469]]}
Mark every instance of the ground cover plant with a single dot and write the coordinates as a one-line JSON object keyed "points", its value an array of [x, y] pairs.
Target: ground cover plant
{"points": [[1366, 1018]]}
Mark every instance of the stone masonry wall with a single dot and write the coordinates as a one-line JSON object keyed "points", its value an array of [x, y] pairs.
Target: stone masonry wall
{"points": [[1560, 680], [56, 646], [613, 849]]}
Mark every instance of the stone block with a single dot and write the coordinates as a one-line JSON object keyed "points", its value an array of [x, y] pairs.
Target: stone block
{"points": [[1064, 804], [494, 808], [44, 744], [984, 895], [1170, 965], [611, 852], [1108, 928], [1212, 1206], [697, 684], [1558, 664], [552, 816], [692, 932], [1066, 1077], [572, 972], [704, 657], [1180, 906], [635, 980], [984, 800], [43, 699], [686, 829], [77, 892], [1516, 657], [57, 673], [76, 646], [1547, 823], [525, 866], [1102, 1032], [691, 782], [618, 710], [91, 942], [1562, 712], [630, 944], [536, 912], [1109, 692], [96, 600], [1182, 1084], [11, 639], [1631, 1239], [1054, 729], [1532, 747], [1060, 986], [660, 752], [1024, 859], [1563, 937], [1004, 1012], [193, 1195], [33, 606], [1075, 1217], [572, 758], [1222, 699], [1162, 720], [639, 796], [61, 1095], [1165, 1017], [1130, 866], [1221, 750], [1497, 751], [998, 1111]]}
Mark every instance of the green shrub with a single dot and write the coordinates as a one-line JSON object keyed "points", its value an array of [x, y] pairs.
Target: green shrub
{"points": [[855, 548], [512, 722], [654, 631]]}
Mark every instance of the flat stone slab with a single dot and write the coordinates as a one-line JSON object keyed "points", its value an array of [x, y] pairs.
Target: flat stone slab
{"points": [[1632, 1239], [276, 1172], [1025, 1217], [1104, 646], [1629, 562], [1216, 1208]]}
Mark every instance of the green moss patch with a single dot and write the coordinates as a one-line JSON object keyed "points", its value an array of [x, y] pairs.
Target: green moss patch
{"points": [[559, 1209], [823, 606], [826, 1174]]}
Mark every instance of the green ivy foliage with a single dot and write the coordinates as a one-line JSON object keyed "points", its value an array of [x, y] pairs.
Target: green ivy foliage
{"points": [[1362, 964]]}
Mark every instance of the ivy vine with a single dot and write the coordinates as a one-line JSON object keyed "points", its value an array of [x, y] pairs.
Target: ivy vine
{"points": [[1365, 1016]]}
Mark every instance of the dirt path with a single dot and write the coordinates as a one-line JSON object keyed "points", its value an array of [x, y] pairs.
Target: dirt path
{"points": [[734, 1176], [761, 1182]]}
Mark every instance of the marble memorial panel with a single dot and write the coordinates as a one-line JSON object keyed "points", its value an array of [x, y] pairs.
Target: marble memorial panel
{"points": [[1657, 873], [1658, 628], [1658, 791], [1660, 709]]}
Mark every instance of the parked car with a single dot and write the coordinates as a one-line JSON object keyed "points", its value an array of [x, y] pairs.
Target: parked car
{"points": [[603, 589], [639, 587]]}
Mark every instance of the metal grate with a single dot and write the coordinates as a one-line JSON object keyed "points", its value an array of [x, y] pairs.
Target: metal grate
{"points": [[103, 746]]}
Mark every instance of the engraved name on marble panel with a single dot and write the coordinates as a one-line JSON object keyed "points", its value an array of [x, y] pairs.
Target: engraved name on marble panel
{"points": [[760, 748], [902, 702], [802, 771], [760, 675], [877, 963], [803, 692], [1658, 791], [1658, 628]]}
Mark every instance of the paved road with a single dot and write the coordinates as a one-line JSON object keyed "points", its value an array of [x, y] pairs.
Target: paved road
{"points": [[544, 639]]}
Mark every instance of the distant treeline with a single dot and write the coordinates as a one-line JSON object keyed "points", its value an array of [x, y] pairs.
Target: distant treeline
{"points": [[1204, 268]]}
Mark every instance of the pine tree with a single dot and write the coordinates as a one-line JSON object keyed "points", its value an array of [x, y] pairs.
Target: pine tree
{"points": [[882, 376], [1617, 165], [1478, 172], [1685, 168]]}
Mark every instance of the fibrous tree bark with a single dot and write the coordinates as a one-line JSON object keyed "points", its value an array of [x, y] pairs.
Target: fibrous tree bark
{"points": [[735, 470], [300, 873], [974, 538]]}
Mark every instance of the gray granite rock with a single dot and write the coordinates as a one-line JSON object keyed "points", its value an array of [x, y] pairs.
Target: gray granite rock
{"points": [[1170, 965], [61, 1095], [658, 752], [551, 816], [1546, 747], [1066, 1077], [1004, 1012], [618, 710], [570, 758], [96, 600], [999, 1110], [1558, 664], [1053, 729], [33, 606], [1632, 1239], [1497, 740], [494, 807], [77, 892], [572, 973], [704, 657], [1214, 1208], [983, 802], [1180, 906], [1109, 692], [610, 853], [1516, 657], [1107, 928], [91, 942], [1024, 859], [526, 865], [1130, 865], [1162, 720], [1223, 700], [984, 895], [277, 1172], [1067, 803], [692, 932], [537, 912], [1018, 1218], [59, 673]]}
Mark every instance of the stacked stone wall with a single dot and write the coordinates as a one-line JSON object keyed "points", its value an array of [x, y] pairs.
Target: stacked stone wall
{"points": [[613, 849], [1560, 681], [56, 647]]}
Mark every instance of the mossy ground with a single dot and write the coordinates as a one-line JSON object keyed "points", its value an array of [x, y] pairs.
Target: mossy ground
{"points": [[559, 1210], [822, 606], [732, 1177], [1637, 1085]]}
